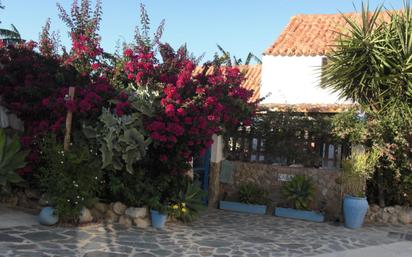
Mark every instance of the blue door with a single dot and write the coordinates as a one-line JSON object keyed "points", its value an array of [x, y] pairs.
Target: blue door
{"points": [[201, 170]]}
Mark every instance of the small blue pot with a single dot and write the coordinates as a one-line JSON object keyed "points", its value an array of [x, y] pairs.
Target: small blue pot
{"points": [[158, 219], [354, 211], [48, 217]]}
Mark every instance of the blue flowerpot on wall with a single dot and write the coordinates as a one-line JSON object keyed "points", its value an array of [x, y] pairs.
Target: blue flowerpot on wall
{"points": [[354, 211], [158, 219], [48, 217]]}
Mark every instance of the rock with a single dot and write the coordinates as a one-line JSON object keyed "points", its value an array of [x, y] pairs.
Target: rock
{"points": [[48, 217], [405, 217], [125, 220], [22, 199], [393, 219], [11, 200], [119, 208], [142, 222], [390, 210], [85, 216], [101, 207], [32, 194], [110, 216], [135, 213], [385, 217], [374, 208], [97, 215]]}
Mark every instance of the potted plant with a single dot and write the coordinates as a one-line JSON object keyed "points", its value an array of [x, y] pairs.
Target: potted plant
{"points": [[356, 170], [158, 212], [188, 203], [253, 199], [299, 193]]}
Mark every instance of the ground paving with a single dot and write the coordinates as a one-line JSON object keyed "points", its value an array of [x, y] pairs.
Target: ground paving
{"points": [[217, 233]]}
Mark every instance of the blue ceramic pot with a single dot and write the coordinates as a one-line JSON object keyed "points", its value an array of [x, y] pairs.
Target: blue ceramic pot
{"points": [[354, 211], [158, 219], [48, 217]]}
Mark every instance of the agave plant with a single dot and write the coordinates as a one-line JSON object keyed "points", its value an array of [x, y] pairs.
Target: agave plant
{"points": [[11, 159], [299, 192], [370, 63]]}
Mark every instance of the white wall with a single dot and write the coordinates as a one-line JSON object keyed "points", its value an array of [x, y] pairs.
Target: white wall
{"points": [[294, 80]]}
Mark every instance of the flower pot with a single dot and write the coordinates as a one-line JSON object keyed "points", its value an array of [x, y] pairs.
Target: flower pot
{"points": [[242, 207], [299, 214], [158, 219], [354, 211], [48, 217]]}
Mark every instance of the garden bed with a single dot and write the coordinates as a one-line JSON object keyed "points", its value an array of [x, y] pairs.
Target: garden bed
{"points": [[243, 207], [299, 214]]}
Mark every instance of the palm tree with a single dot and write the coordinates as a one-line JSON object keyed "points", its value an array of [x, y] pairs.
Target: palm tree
{"points": [[228, 60], [9, 36]]}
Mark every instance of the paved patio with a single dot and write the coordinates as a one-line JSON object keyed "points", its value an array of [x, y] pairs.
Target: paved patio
{"points": [[217, 233]]}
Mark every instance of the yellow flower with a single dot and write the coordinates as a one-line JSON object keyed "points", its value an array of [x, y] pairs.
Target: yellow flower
{"points": [[184, 204], [184, 210], [175, 207]]}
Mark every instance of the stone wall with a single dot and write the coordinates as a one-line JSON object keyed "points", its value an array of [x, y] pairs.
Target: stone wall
{"points": [[393, 214], [271, 178]]}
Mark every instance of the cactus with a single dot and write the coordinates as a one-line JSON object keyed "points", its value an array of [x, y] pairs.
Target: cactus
{"points": [[11, 159]]}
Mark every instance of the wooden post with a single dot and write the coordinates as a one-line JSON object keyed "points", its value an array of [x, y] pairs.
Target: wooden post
{"points": [[69, 119]]}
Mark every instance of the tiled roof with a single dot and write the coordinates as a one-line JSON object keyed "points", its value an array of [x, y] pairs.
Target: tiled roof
{"points": [[252, 79], [310, 34]]}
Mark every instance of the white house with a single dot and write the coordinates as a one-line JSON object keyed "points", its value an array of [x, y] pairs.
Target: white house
{"points": [[292, 64]]}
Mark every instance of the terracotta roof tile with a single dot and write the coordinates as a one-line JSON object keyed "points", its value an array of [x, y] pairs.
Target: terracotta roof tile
{"points": [[252, 79], [311, 34]]}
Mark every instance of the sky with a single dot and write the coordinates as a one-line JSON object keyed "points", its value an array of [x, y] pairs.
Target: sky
{"points": [[239, 26]]}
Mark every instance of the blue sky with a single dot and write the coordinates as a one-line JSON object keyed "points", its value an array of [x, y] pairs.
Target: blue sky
{"points": [[240, 26]]}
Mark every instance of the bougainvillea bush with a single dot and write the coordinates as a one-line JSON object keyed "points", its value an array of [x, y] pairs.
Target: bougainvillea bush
{"points": [[165, 106]]}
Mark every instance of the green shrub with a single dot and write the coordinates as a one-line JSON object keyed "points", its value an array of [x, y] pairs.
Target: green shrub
{"points": [[189, 203], [356, 170], [71, 179], [253, 194], [11, 159], [299, 192]]}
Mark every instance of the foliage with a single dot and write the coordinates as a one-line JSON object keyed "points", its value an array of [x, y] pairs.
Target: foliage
{"points": [[387, 134], [131, 189], [371, 65], [9, 36], [122, 141], [253, 194], [350, 125], [357, 169], [188, 203], [11, 159], [228, 60], [286, 137], [48, 41], [299, 192], [71, 179], [150, 116]]}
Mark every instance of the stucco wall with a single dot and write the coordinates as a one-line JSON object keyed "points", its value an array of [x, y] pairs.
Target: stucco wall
{"points": [[271, 178], [294, 80]]}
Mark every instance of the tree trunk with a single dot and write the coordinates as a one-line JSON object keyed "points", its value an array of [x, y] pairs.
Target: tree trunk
{"points": [[381, 192]]}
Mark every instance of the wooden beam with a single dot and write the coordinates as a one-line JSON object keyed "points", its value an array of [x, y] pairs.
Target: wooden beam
{"points": [[69, 119]]}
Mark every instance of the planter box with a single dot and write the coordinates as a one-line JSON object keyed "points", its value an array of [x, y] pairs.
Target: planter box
{"points": [[299, 214], [243, 207]]}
